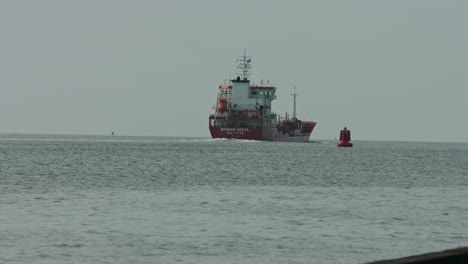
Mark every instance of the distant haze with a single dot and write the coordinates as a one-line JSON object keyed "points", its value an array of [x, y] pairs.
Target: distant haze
{"points": [[389, 70]]}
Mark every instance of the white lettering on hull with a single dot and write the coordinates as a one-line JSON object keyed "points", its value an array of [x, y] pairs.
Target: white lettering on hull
{"points": [[226, 129], [234, 131]]}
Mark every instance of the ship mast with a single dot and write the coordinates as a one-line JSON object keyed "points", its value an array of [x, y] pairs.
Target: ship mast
{"points": [[243, 64], [294, 105]]}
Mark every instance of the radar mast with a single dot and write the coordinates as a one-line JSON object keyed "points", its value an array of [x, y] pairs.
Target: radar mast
{"points": [[243, 64]]}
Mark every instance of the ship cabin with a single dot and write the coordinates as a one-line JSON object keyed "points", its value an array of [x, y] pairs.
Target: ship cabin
{"points": [[245, 106], [235, 99]]}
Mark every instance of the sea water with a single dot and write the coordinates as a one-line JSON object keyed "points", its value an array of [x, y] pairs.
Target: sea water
{"points": [[98, 199]]}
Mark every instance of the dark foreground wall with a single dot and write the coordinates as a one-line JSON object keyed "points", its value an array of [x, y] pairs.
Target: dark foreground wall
{"points": [[452, 256]]}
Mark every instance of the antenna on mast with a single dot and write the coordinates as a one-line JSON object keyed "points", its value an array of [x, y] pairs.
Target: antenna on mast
{"points": [[244, 65], [294, 105]]}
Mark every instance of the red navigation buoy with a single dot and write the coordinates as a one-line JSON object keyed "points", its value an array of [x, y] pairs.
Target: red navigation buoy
{"points": [[345, 137]]}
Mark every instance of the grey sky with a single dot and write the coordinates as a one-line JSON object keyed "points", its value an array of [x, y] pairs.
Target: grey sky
{"points": [[389, 70]]}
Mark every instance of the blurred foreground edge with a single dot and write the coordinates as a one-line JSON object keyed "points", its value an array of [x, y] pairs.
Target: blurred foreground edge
{"points": [[451, 256]]}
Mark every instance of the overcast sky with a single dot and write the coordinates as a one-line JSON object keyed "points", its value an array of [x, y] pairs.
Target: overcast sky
{"points": [[389, 70]]}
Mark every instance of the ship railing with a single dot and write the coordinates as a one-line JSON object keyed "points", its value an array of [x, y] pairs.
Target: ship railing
{"points": [[246, 113], [218, 114]]}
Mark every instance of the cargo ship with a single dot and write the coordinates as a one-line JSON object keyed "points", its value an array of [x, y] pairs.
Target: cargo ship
{"points": [[243, 111]]}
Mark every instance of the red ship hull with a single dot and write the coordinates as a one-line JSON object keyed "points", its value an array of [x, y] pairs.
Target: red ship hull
{"points": [[264, 134], [238, 133]]}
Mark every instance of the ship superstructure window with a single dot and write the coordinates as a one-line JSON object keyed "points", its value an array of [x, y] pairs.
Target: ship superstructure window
{"points": [[223, 123], [225, 91]]}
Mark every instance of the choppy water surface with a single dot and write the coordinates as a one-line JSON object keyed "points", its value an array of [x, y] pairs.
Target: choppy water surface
{"points": [[84, 199]]}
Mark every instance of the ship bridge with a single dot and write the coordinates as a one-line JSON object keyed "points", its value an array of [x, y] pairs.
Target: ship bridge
{"points": [[242, 96], [255, 91]]}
